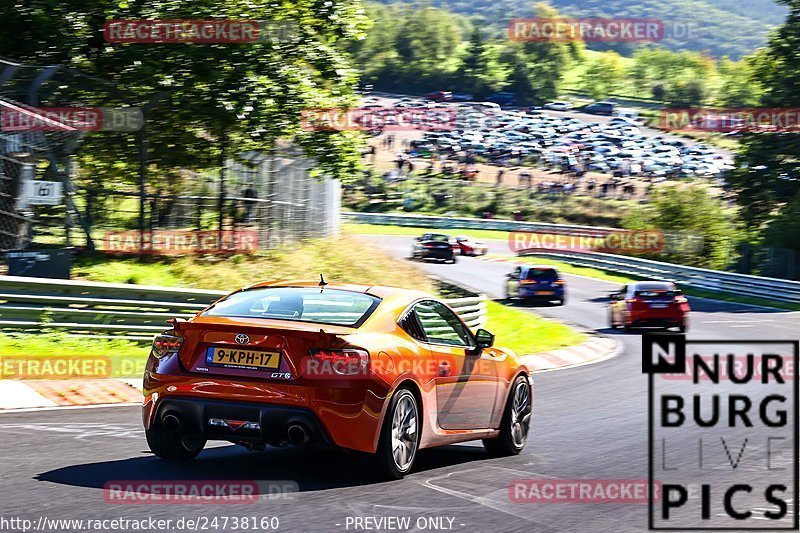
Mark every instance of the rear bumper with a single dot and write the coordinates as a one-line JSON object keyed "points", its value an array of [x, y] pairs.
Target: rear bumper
{"points": [[532, 292], [340, 412], [437, 254], [274, 421]]}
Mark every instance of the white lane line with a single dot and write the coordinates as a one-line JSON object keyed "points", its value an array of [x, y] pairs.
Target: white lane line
{"points": [[68, 407]]}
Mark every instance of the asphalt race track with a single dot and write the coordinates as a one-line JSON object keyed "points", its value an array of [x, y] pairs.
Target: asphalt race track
{"points": [[589, 422]]}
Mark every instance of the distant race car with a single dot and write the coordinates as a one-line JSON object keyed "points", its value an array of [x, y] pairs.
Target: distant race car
{"points": [[533, 282], [649, 303], [470, 247], [381, 370], [434, 246]]}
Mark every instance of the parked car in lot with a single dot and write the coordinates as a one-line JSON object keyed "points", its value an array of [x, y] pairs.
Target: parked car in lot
{"points": [[434, 246], [374, 369], [649, 304], [558, 106], [469, 246], [502, 98], [533, 282], [462, 97], [438, 96], [600, 108]]}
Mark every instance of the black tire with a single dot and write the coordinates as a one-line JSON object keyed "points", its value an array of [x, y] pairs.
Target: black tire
{"points": [[385, 454], [453, 260], [173, 445], [507, 443], [562, 301]]}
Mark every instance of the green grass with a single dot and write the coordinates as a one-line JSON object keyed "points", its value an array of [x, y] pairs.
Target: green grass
{"points": [[376, 229], [115, 358], [622, 279], [526, 333], [346, 259]]}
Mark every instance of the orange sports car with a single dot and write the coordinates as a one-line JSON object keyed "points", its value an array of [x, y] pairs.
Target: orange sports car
{"points": [[376, 369]]}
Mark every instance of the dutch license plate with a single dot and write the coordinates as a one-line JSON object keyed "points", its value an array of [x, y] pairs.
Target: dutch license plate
{"points": [[545, 293], [243, 358], [658, 306]]}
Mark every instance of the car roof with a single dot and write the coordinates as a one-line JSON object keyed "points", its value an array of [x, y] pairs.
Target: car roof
{"points": [[380, 291], [539, 267], [654, 285]]}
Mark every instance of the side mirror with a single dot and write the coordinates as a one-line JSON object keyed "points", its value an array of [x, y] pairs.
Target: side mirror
{"points": [[417, 238], [484, 338]]}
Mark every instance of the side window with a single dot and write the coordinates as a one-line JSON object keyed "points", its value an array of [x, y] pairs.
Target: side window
{"points": [[517, 271], [441, 325], [412, 326]]}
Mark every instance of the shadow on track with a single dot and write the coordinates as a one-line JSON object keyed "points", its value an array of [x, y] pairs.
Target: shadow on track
{"points": [[312, 469]]}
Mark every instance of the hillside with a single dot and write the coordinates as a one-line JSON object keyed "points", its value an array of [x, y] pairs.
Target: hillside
{"points": [[726, 27]]}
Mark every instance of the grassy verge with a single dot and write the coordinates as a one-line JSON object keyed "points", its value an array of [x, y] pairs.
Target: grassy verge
{"points": [[346, 259], [48, 355], [614, 277], [411, 231], [342, 260], [526, 333]]}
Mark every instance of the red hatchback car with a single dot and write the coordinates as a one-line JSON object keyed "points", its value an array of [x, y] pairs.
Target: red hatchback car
{"points": [[649, 303]]}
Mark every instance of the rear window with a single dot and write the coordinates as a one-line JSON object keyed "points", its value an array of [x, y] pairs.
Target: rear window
{"points": [[436, 238], [300, 304], [542, 274], [656, 291]]}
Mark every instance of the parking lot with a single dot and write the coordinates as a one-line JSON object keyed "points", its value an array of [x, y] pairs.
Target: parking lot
{"points": [[566, 151]]}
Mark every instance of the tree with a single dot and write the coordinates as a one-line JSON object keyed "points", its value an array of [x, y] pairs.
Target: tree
{"points": [[767, 179], [248, 94], [604, 75], [687, 214], [481, 71]]}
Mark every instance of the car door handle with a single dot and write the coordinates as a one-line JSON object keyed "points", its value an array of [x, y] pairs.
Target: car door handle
{"points": [[444, 369]]}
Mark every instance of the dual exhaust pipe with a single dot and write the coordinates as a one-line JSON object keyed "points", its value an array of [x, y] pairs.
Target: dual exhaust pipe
{"points": [[297, 434]]}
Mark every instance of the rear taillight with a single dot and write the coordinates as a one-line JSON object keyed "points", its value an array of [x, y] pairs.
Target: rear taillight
{"points": [[527, 282], [429, 245], [164, 345], [633, 300], [559, 282], [347, 361], [680, 300]]}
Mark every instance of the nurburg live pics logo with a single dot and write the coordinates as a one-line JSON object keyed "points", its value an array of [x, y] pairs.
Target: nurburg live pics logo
{"points": [[723, 442]]}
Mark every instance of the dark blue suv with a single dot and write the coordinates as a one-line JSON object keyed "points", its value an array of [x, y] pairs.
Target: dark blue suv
{"points": [[533, 282]]}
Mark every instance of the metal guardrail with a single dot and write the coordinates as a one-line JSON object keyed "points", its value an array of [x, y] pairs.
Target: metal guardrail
{"points": [[424, 221], [118, 310], [699, 278]]}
